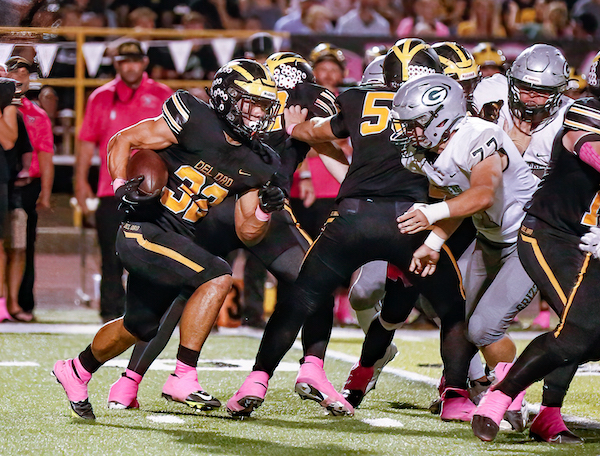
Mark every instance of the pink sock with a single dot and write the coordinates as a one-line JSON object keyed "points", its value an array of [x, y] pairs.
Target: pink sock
{"points": [[314, 360], [134, 376], [181, 368], [83, 374]]}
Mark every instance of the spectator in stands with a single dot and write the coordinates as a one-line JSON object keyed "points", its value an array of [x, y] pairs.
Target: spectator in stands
{"points": [[267, 11], [585, 27], [202, 63], [425, 22], [363, 20], [32, 192], [587, 8], [219, 14], [132, 96], [318, 20], [515, 14], [484, 21], [294, 22], [556, 23]]}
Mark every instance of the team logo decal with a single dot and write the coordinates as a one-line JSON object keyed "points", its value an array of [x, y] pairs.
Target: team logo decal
{"points": [[434, 95]]}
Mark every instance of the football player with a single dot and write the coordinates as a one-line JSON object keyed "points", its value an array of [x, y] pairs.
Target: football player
{"points": [[473, 163], [532, 101], [533, 105], [376, 190], [155, 240], [281, 251], [490, 59], [564, 209]]}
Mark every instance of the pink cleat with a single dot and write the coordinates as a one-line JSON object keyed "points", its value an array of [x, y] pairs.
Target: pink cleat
{"points": [[541, 321], [489, 413], [357, 383], [123, 392], [312, 383], [518, 412], [456, 405], [74, 382], [250, 396], [548, 426], [187, 390]]}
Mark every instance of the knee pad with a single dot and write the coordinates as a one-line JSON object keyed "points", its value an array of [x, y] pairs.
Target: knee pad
{"points": [[481, 335], [388, 326], [362, 298]]}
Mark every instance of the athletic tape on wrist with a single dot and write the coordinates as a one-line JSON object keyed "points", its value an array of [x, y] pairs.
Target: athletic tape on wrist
{"points": [[290, 128], [118, 182], [435, 212], [434, 242], [261, 215]]}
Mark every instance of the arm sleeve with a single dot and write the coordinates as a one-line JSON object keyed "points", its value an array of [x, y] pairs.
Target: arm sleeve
{"points": [[324, 105], [176, 111], [583, 115]]}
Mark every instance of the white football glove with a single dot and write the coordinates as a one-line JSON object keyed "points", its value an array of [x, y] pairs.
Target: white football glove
{"points": [[590, 242]]}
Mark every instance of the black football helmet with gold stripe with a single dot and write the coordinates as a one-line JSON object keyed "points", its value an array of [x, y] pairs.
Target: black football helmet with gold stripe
{"points": [[459, 64], [236, 88], [289, 69], [408, 58]]}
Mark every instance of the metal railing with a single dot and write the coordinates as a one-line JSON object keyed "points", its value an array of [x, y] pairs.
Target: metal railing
{"points": [[37, 35]]}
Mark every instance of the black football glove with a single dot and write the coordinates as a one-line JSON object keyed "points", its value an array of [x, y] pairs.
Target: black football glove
{"points": [[132, 198], [7, 92], [271, 198]]}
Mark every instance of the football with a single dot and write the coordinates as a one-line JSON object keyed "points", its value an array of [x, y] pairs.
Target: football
{"points": [[147, 163]]}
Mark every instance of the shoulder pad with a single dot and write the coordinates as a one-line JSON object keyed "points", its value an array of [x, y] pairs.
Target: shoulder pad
{"points": [[584, 115], [176, 110]]}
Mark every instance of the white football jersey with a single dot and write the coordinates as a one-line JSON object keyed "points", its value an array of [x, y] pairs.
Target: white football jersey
{"points": [[537, 154], [473, 141]]}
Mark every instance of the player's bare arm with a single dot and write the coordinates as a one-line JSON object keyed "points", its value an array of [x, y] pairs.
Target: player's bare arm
{"points": [[425, 258], [152, 134], [315, 130], [486, 177], [248, 227], [8, 127]]}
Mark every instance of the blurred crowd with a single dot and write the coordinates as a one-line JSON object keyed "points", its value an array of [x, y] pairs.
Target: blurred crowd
{"points": [[530, 19]]}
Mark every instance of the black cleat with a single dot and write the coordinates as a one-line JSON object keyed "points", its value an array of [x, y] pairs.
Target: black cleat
{"points": [[484, 428]]}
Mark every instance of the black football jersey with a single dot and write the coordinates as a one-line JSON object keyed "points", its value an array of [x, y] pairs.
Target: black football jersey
{"points": [[207, 165], [320, 102], [569, 195], [376, 170]]}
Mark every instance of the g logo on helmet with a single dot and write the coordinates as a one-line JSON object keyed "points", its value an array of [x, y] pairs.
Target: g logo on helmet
{"points": [[434, 95]]}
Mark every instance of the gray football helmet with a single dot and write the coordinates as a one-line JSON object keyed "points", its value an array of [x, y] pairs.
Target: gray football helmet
{"points": [[542, 68], [433, 104], [373, 74]]}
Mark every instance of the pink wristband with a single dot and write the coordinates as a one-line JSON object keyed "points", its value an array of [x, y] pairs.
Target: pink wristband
{"points": [[589, 156], [118, 182], [261, 215], [290, 129]]}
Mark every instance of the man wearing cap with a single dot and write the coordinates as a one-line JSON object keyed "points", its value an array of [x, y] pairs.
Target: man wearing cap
{"points": [[130, 97], [32, 192]]}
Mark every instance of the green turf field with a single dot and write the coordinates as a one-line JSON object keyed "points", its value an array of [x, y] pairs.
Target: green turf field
{"points": [[35, 418]]}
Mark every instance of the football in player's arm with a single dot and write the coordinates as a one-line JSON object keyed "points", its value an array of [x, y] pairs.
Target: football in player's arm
{"points": [[155, 134]]}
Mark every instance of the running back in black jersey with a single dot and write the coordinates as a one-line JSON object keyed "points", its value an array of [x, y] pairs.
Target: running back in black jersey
{"points": [[569, 196], [207, 165], [376, 170], [319, 101]]}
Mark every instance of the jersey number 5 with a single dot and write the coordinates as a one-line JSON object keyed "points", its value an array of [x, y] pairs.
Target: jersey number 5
{"points": [[590, 218], [193, 185], [373, 107]]}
